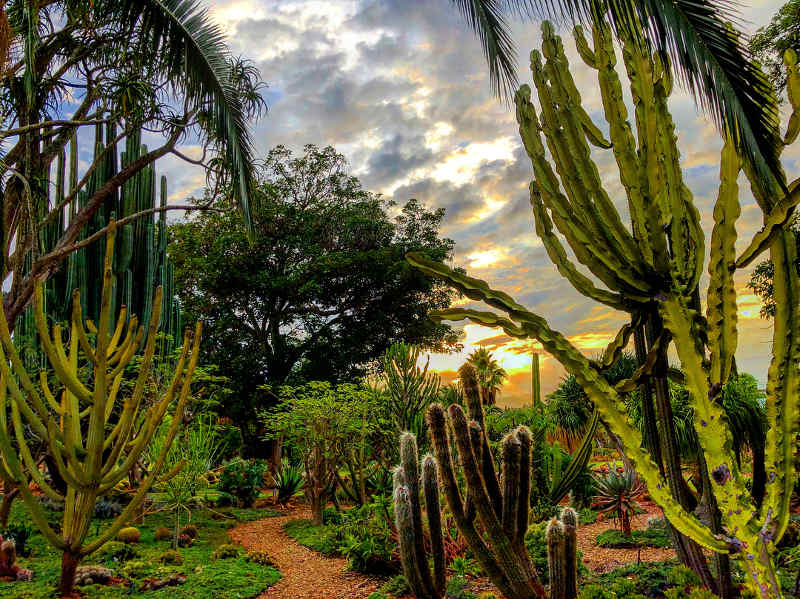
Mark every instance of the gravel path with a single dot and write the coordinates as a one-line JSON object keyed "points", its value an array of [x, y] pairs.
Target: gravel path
{"points": [[306, 573]]}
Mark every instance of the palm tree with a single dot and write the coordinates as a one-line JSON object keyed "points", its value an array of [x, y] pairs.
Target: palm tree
{"points": [[115, 66], [490, 374], [711, 58]]}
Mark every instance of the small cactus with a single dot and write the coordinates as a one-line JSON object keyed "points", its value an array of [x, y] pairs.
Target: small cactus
{"points": [[225, 551], [129, 534], [190, 530], [171, 557], [162, 533]]}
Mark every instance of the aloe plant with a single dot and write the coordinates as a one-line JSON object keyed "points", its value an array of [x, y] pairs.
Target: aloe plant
{"points": [[618, 492], [651, 269]]}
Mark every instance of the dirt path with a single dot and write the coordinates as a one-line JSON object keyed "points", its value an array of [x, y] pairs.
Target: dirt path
{"points": [[306, 573]]}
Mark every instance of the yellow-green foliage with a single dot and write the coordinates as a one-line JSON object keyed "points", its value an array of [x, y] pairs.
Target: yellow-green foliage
{"points": [[260, 557], [225, 551], [651, 268], [162, 533], [129, 534]]}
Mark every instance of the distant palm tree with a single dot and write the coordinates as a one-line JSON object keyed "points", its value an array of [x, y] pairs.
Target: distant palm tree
{"points": [[711, 58], [490, 374]]}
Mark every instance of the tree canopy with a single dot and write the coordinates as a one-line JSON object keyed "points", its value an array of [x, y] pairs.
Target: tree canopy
{"points": [[321, 289]]}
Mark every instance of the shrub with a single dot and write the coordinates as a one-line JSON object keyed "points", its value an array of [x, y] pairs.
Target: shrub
{"points": [[117, 551], [681, 576], [652, 537], [330, 515], [162, 533], [105, 509], [171, 557], [129, 534], [377, 595], [462, 566], [397, 586], [288, 482], [225, 551], [190, 530], [243, 480], [457, 589], [587, 516], [260, 557], [19, 533]]}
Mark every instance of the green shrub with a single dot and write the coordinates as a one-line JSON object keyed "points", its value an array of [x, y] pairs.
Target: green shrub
{"points": [[330, 515], [638, 538], [19, 532], [243, 480], [457, 588], [260, 557], [462, 566], [397, 586], [117, 551], [650, 578], [171, 557], [225, 551], [162, 533], [587, 516], [129, 534], [377, 595], [681, 576]]}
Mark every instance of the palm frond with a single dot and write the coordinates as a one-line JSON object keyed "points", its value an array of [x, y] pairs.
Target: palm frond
{"points": [[192, 50], [710, 59]]}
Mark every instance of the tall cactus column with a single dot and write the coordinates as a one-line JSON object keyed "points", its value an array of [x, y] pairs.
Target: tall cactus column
{"points": [[502, 510], [408, 517], [536, 384]]}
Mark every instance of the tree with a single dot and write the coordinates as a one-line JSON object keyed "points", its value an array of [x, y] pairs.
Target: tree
{"points": [[650, 269], [761, 279], [115, 67], [319, 291], [693, 36], [490, 374], [769, 43], [323, 423]]}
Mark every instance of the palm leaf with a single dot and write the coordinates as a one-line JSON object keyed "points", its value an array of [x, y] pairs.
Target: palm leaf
{"points": [[192, 50], [710, 59]]}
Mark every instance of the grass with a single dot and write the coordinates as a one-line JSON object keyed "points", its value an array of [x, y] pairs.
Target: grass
{"points": [[321, 538], [235, 578], [652, 537]]}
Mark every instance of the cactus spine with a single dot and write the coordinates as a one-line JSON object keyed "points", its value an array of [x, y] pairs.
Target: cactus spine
{"points": [[94, 434], [408, 518], [652, 271]]}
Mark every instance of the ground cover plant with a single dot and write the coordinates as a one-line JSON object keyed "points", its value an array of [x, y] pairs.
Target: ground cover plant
{"points": [[137, 565]]}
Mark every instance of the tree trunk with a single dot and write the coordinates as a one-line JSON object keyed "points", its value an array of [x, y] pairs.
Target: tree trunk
{"points": [[69, 564], [317, 505]]}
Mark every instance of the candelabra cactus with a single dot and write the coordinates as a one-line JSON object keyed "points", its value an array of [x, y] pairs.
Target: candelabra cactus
{"points": [[652, 271], [408, 518], [94, 435]]}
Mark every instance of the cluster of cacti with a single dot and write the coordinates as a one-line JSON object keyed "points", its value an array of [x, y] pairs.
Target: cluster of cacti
{"points": [[652, 270], [408, 519], [94, 430], [140, 261], [562, 555]]}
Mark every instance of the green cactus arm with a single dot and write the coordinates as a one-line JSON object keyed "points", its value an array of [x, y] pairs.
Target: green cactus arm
{"points": [[511, 453], [48, 394], [576, 464], [405, 540], [122, 319], [630, 385], [614, 349], [523, 435], [133, 336], [709, 419], [783, 384], [721, 312], [430, 488], [27, 459], [793, 91], [773, 223], [555, 250], [147, 483], [599, 391]]}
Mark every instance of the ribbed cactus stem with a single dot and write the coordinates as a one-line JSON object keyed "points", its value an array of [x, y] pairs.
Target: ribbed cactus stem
{"points": [[569, 520], [523, 435], [511, 453], [430, 487], [536, 383], [556, 559], [405, 537]]}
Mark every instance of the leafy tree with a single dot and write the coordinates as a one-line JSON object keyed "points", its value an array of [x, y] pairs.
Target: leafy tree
{"points": [[769, 43], [490, 374], [115, 66], [761, 279], [323, 423], [319, 291]]}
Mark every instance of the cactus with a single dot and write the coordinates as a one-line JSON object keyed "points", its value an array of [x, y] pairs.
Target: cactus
{"points": [[94, 435], [536, 384], [652, 270], [408, 519], [562, 555]]}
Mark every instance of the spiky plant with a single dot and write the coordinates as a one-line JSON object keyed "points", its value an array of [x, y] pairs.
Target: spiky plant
{"points": [[618, 493]]}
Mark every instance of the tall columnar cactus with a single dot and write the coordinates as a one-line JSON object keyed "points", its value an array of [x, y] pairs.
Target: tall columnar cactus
{"points": [[408, 518], [652, 269], [562, 555], [94, 434], [502, 505], [141, 262], [536, 383]]}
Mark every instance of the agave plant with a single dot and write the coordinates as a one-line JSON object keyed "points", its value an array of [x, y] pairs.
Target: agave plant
{"points": [[288, 481], [618, 493]]}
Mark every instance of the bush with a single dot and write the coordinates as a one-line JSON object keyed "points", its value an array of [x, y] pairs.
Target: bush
{"points": [[650, 578], [457, 589], [260, 557], [288, 481], [397, 586], [377, 595], [19, 533], [117, 551], [243, 480], [225, 551], [129, 534], [190, 530], [654, 536], [330, 515], [105, 509], [162, 533], [587, 516], [171, 557]]}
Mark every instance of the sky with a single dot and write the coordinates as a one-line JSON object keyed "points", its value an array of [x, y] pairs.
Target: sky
{"points": [[401, 88]]}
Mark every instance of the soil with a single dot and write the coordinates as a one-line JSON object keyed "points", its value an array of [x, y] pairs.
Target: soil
{"points": [[306, 574]]}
